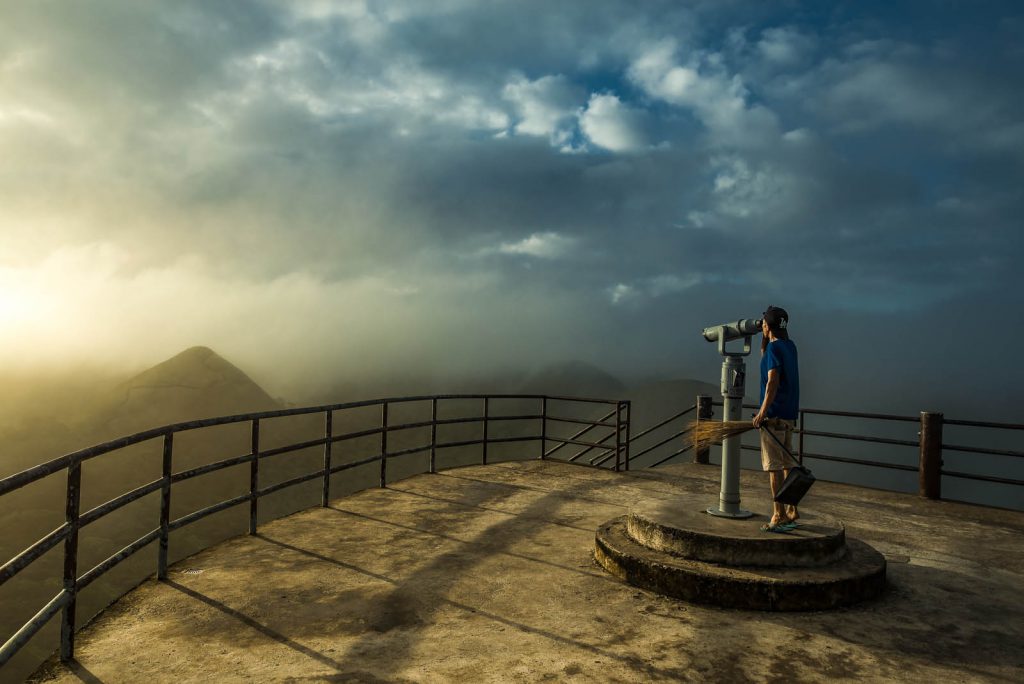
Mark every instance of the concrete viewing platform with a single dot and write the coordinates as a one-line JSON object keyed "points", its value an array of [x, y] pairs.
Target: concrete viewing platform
{"points": [[487, 574]]}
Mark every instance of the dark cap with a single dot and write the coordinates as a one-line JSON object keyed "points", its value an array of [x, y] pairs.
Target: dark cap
{"points": [[776, 317]]}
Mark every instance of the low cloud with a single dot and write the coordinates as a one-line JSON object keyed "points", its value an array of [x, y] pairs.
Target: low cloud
{"points": [[541, 246]]}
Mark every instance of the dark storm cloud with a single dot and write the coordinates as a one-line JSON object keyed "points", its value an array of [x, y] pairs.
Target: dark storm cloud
{"points": [[409, 168]]}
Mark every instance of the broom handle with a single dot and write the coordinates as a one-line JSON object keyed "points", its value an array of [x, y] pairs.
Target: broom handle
{"points": [[779, 442]]}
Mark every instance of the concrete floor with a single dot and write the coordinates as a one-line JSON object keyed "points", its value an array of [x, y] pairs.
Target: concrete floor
{"points": [[486, 574]]}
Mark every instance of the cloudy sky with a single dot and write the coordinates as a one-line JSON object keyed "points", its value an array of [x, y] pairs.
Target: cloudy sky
{"points": [[364, 186]]}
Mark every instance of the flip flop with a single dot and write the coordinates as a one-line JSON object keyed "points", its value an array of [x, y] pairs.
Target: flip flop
{"points": [[781, 527]]}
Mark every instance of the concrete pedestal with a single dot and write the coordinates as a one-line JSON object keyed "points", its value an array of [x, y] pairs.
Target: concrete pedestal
{"points": [[734, 564]]}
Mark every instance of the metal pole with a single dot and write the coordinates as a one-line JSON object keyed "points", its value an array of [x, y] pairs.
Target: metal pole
{"points": [[254, 475], [543, 426], [384, 444], [328, 433], [705, 411], [733, 383], [629, 421], [930, 465], [486, 415], [433, 435], [165, 508], [72, 507], [618, 436]]}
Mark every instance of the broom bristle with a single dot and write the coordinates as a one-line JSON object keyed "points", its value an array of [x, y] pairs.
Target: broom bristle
{"points": [[708, 432]]}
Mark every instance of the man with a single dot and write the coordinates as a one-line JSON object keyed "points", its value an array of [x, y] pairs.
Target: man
{"points": [[780, 405]]}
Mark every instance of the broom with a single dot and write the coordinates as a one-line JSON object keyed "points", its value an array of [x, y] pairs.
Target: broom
{"points": [[708, 432]]}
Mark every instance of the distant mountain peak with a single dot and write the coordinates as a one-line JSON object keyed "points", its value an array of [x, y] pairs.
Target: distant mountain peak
{"points": [[195, 383]]}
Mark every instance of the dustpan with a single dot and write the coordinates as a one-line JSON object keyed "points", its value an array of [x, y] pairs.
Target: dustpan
{"points": [[796, 484]]}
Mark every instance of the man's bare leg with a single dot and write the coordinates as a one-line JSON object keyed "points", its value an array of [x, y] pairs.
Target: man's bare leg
{"points": [[775, 479], [790, 513]]}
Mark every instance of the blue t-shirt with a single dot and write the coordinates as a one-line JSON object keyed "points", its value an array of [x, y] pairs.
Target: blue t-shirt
{"points": [[781, 354]]}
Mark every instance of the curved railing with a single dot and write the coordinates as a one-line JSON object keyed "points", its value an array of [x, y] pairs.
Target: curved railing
{"points": [[614, 445], [657, 444]]}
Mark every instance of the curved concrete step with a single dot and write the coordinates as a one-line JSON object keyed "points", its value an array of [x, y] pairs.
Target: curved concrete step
{"points": [[695, 535], [860, 575]]}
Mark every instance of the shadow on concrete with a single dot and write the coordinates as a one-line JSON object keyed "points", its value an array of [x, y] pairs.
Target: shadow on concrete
{"points": [[446, 569], [938, 616], [258, 626], [83, 674]]}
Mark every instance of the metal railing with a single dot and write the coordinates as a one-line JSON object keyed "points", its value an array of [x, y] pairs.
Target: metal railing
{"points": [[614, 445], [929, 444]]}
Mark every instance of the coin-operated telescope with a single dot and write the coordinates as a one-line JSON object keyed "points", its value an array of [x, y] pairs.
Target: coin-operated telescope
{"points": [[745, 328], [734, 376]]}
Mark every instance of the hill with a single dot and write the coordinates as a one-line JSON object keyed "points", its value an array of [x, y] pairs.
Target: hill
{"points": [[197, 383], [574, 379]]}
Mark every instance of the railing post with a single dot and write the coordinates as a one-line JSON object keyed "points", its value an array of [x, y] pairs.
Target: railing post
{"points": [[254, 476], [165, 508], [629, 420], [328, 434], [487, 411], [433, 435], [930, 465], [383, 444], [618, 436], [543, 426], [705, 411], [72, 507]]}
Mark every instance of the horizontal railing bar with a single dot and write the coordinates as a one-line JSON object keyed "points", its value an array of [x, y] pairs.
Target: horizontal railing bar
{"points": [[298, 446], [668, 458], [123, 500], [577, 442], [984, 478], [26, 557], [410, 450], [979, 450], [580, 433], [114, 560], [29, 629], [502, 440], [284, 484], [861, 438], [857, 461], [661, 443], [603, 457], [984, 424], [855, 414], [601, 441], [355, 464], [449, 445], [210, 467], [209, 510], [355, 435], [583, 400], [535, 416], [580, 421], [661, 424], [718, 402]]}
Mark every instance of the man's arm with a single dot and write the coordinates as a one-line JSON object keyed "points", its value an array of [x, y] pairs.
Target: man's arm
{"points": [[770, 390]]}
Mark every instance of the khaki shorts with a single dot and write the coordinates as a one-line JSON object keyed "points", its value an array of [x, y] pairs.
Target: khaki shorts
{"points": [[772, 455]]}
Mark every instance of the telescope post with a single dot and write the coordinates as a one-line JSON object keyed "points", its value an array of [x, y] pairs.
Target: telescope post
{"points": [[733, 384]]}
